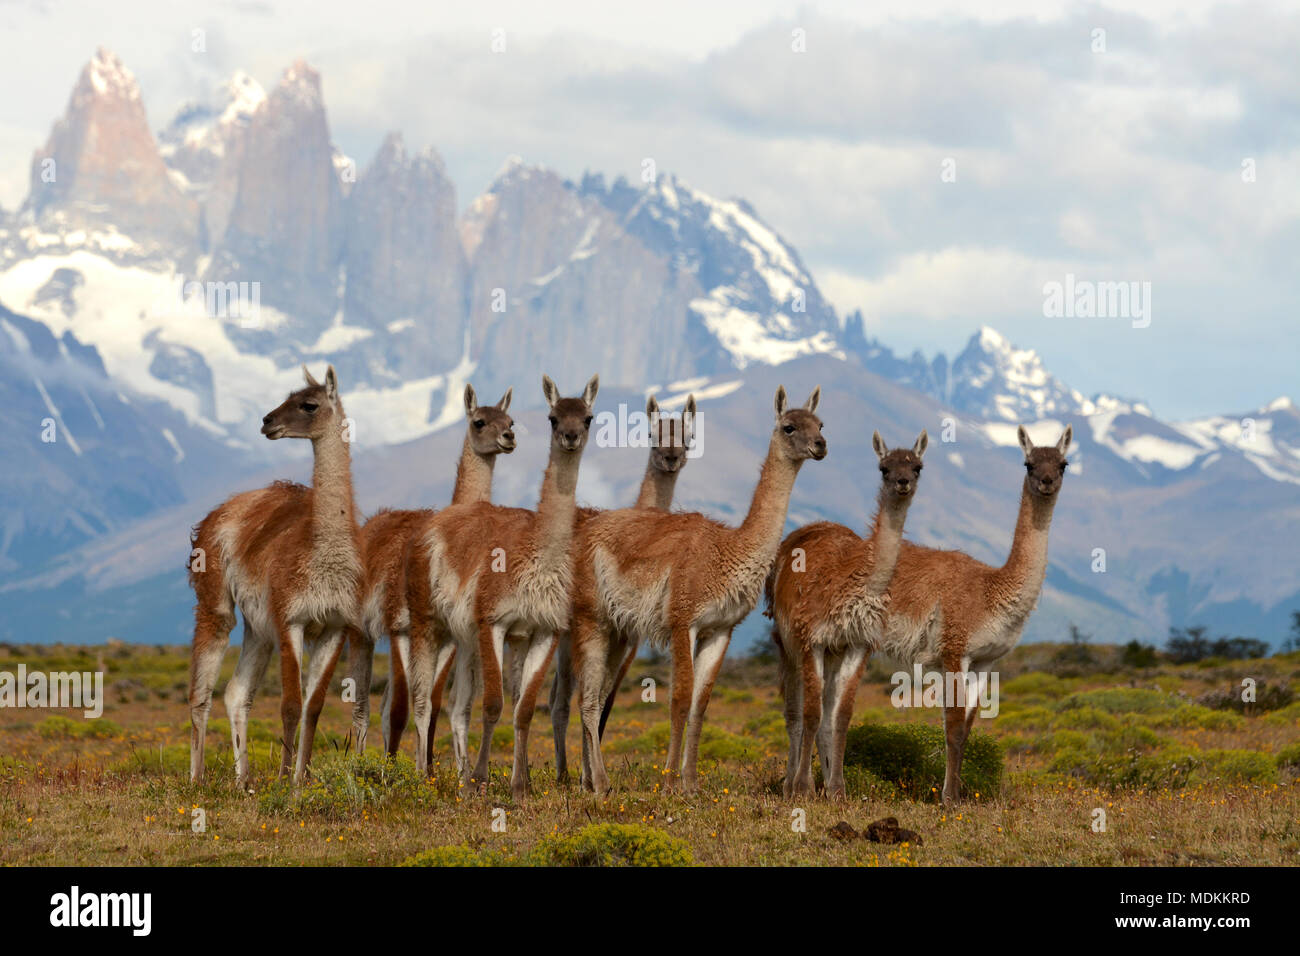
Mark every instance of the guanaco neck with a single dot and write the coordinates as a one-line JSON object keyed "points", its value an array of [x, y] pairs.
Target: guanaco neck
{"points": [[1026, 565], [333, 513], [556, 510], [885, 542], [760, 533], [473, 476], [657, 488]]}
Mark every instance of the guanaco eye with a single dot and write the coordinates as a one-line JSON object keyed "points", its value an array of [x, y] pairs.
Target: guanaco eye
{"points": [[789, 429], [1064, 465], [1028, 467], [553, 420], [587, 421], [309, 406], [479, 423]]}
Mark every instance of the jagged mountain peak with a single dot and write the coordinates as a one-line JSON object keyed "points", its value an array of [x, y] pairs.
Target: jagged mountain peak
{"points": [[100, 182], [107, 75], [303, 81], [201, 133], [1000, 381], [393, 154]]}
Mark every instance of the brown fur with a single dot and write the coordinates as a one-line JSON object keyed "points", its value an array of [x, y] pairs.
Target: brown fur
{"points": [[288, 556], [668, 456], [828, 608], [681, 580], [463, 547], [947, 608], [384, 538]]}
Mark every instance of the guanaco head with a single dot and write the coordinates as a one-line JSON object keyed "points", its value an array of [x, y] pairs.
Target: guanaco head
{"points": [[798, 430], [307, 413], [491, 430], [570, 417], [1045, 464], [900, 469], [670, 437]]}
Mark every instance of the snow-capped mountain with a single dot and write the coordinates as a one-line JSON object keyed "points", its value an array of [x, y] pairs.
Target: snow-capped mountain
{"points": [[1000, 384], [760, 303], [202, 134], [164, 294]]}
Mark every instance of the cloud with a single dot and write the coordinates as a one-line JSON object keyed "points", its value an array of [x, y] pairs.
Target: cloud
{"points": [[1125, 164]]}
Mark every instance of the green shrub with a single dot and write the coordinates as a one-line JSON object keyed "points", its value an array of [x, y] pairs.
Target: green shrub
{"points": [[1124, 700], [1288, 716], [1031, 718], [1288, 758], [1170, 766], [169, 760], [729, 696], [1085, 718], [1239, 766], [100, 727], [1016, 744], [613, 844], [860, 783], [58, 726], [912, 756], [346, 784], [1057, 740], [1036, 682], [1193, 715], [462, 855]]}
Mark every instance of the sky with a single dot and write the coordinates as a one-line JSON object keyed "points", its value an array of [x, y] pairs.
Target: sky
{"points": [[936, 164]]}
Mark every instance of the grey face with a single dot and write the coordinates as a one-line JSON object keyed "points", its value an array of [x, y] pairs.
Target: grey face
{"points": [[570, 418], [1046, 471], [900, 470], [1045, 465]]}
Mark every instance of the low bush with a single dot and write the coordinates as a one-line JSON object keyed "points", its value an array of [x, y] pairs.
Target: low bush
{"points": [[1124, 700], [1268, 696], [462, 855], [912, 756], [1238, 766], [346, 784], [612, 844]]}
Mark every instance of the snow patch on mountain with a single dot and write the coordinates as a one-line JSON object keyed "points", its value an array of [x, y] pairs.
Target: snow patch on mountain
{"points": [[129, 312], [747, 338]]}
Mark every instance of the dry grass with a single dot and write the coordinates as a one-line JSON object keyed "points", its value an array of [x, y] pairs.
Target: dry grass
{"points": [[119, 793]]}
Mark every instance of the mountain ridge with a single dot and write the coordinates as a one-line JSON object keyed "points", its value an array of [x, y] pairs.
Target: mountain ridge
{"points": [[376, 272]]}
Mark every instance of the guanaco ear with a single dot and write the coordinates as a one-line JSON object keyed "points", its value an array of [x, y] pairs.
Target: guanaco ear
{"points": [[1066, 437], [878, 444], [550, 391], [504, 404], [688, 420], [814, 399], [922, 443], [780, 401], [589, 393], [651, 407], [1025, 444], [471, 400], [308, 376], [331, 385]]}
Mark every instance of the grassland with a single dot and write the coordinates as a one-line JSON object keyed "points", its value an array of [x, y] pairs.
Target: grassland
{"points": [[1180, 781]]}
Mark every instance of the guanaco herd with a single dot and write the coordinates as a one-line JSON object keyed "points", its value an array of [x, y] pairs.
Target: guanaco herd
{"points": [[451, 589]]}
